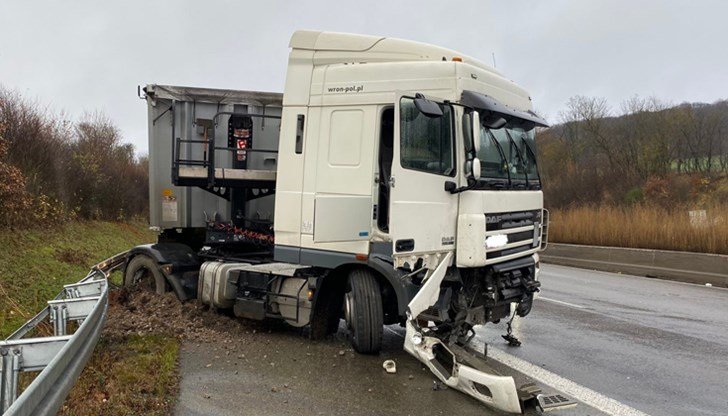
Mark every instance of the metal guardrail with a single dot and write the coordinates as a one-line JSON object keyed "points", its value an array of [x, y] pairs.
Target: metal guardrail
{"points": [[61, 357]]}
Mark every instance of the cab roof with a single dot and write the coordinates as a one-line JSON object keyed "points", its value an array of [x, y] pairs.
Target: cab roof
{"points": [[366, 48]]}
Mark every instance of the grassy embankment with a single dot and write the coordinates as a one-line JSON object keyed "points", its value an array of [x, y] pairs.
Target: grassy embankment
{"points": [[642, 227], [35, 264]]}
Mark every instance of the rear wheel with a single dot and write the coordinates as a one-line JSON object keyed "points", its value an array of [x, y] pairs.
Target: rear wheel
{"points": [[363, 312], [143, 272]]}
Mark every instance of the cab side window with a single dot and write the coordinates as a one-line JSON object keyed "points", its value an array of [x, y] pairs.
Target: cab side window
{"points": [[426, 144]]}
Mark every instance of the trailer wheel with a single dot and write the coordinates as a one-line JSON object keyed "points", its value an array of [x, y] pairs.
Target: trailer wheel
{"points": [[143, 272], [363, 312]]}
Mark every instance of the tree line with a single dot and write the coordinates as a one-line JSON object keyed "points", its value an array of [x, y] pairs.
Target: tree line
{"points": [[53, 169], [644, 151]]}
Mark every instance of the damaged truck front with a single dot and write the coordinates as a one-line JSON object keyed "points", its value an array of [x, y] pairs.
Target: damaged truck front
{"points": [[392, 182]]}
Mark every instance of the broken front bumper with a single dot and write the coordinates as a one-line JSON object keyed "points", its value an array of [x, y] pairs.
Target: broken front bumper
{"points": [[492, 389]]}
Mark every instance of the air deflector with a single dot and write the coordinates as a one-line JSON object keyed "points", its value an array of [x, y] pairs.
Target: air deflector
{"points": [[485, 102]]}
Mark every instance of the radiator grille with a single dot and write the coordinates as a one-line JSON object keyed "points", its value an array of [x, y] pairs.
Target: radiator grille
{"points": [[523, 229]]}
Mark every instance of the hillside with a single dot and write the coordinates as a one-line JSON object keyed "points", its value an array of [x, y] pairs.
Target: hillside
{"points": [[645, 152], [36, 263]]}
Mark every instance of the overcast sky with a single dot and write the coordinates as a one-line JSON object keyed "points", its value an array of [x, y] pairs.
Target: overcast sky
{"points": [[81, 56]]}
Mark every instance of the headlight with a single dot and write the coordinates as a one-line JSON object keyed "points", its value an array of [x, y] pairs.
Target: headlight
{"points": [[496, 241]]}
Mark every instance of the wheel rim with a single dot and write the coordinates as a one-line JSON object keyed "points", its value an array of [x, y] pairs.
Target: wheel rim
{"points": [[143, 279]]}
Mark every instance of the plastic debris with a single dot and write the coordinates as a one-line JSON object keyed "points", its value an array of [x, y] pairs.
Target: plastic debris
{"points": [[390, 366]]}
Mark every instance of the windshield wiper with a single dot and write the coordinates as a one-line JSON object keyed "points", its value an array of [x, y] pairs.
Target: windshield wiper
{"points": [[519, 155], [502, 155], [533, 158], [494, 183]]}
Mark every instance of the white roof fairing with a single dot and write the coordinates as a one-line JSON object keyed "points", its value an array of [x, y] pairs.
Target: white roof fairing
{"points": [[374, 49], [336, 52]]}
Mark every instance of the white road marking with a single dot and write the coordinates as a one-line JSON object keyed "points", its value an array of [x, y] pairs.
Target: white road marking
{"points": [[583, 394], [579, 392], [573, 305]]}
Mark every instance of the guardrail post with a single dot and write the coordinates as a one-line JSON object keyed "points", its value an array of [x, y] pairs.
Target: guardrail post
{"points": [[53, 318], [9, 382], [59, 318], [63, 320]]}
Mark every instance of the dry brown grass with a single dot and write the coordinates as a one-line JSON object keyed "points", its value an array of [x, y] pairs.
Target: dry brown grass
{"points": [[641, 227]]}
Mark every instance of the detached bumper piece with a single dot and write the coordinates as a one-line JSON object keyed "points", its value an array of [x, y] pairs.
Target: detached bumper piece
{"points": [[454, 365], [492, 389]]}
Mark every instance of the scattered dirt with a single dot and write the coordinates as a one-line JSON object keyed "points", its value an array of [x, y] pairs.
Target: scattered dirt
{"points": [[138, 312]]}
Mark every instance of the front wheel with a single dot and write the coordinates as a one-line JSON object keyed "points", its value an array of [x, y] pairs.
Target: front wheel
{"points": [[363, 312]]}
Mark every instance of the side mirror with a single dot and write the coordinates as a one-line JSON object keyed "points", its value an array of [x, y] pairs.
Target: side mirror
{"points": [[476, 131], [472, 168], [476, 169], [429, 108]]}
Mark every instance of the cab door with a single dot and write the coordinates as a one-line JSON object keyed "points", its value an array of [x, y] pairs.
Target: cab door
{"points": [[423, 214]]}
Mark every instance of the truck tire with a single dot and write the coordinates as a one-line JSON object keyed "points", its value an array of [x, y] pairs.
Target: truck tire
{"points": [[363, 312], [143, 272]]}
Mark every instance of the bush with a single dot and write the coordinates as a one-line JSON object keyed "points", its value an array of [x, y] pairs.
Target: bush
{"points": [[634, 196], [52, 169], [15, 202]]}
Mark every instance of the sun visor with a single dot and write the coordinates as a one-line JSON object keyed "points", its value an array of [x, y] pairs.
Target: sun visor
{"points": [[485, 102]]}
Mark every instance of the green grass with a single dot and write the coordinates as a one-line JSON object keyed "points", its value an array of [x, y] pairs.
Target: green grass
{"points": [[36, 263], [127, 375], [133, 375]]}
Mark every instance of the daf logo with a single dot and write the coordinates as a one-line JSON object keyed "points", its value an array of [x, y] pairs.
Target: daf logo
{"points": [[492, 219]]}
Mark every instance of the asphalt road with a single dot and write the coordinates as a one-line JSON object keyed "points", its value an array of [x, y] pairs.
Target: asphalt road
{"points": [[620, 345], [658, 346], [283, 373]]}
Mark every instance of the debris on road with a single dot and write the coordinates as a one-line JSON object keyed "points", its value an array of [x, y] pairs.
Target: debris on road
{"points": [[390, 366]]}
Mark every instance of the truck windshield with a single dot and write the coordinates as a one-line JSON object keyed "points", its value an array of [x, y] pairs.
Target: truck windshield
{"points": [[507, 158]]}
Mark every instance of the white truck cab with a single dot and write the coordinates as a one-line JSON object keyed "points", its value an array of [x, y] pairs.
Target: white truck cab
{"points": [[391, 182], [374, 169]]}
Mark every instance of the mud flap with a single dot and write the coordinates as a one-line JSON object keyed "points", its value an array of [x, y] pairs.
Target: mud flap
{"points": [[492, 389]]}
